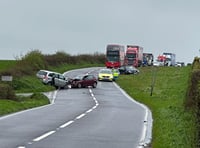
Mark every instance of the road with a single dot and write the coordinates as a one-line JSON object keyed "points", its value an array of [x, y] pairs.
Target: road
{"points": [[103, 117]]}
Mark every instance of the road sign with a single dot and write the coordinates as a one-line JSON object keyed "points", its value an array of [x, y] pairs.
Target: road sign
{"points": [[7, 78]]}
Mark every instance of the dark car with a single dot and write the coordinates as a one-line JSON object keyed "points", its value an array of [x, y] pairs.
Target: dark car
{"points": [[84, 81], [128, 70]]}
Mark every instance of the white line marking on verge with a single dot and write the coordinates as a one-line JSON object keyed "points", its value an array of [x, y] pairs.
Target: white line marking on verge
{"points": [[148, 121], [43, 136], [66, 124]]}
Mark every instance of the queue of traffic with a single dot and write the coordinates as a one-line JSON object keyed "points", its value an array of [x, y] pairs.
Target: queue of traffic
{"points": [[117, 56]]}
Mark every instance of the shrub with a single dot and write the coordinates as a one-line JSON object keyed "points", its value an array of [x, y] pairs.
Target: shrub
{"points": [[193, 94], [6, 92]]}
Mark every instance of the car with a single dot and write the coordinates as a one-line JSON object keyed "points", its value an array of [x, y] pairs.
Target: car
{"points": [[128, 69], [59, 81], [157, 63], [105, 75], [85, 80], [45, 76]]}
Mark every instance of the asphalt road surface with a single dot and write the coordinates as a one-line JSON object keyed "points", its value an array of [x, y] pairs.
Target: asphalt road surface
{"points": [[103, 117]]}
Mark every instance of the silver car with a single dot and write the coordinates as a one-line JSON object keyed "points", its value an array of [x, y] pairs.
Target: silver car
{"points": [[59, 81], [45, 76]]}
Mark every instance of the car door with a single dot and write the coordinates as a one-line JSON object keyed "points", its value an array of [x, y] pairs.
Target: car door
{"points": [[62, 81], [89, 80]]}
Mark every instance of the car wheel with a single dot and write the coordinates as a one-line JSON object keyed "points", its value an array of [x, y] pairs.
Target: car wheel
{"points": [[95, 85], [79, 85]]}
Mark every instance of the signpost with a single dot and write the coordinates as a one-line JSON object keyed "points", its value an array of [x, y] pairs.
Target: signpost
{"points": [[7, 78]]}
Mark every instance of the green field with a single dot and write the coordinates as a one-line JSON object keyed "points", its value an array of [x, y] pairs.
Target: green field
{"points": [[173, 126]]}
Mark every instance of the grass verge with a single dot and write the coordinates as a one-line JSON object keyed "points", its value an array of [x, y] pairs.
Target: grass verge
{"points": [[22, 103], [173, 126]]}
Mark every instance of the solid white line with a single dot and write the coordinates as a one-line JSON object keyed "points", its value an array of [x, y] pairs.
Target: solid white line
{"points": [[43, 136], [66, 124], [54, 96], [79, 117]]}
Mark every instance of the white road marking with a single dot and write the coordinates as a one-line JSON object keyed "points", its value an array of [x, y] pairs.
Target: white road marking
{"points": [[69, 122], [89, 111], [80, 116], [54, 96], [66, 124], [43, 136]]}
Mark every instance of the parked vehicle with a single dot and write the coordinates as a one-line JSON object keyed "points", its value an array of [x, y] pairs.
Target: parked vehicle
{"points": [[147, 59], [115, 56], [45, 76], [105, 75], [127, 69], [134, 55], [84, 81], [170, 59]]}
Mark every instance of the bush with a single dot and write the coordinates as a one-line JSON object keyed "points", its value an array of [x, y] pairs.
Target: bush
{"points": [[193, 94], [6, 92]]}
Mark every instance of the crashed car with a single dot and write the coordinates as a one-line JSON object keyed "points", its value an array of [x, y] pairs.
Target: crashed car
{"points": [[81, 81]]}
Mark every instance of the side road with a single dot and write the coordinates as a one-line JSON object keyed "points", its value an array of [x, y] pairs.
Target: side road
{"points": [[51, 95]]}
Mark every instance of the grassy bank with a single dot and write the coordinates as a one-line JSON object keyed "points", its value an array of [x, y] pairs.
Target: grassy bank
{"points": [[173, 126], [22, 103]]}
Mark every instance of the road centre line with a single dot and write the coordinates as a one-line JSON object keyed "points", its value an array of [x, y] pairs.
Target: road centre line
{"points": [[44, 136], [89, 111], [80, 116], [66, 124], [69, 122]]}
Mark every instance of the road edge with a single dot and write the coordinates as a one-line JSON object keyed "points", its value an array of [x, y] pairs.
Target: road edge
{"points": [[146, 137]]}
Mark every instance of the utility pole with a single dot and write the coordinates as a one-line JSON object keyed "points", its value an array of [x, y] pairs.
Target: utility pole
{"points": [[154, 71]]}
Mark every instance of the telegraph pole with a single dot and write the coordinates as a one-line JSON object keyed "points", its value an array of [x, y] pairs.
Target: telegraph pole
{"points": [[154, 71]]}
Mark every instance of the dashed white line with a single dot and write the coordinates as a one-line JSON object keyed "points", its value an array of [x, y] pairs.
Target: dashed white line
{"points": [[66, 124], [80, 116], [43, 136], [89, 111], [94, 107]]}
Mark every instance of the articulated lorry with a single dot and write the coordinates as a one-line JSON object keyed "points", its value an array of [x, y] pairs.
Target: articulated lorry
{"points": [[170, 59], [147, 59], [134, 55]]}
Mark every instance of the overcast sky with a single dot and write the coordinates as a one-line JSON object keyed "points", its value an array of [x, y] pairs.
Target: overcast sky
{"points": [[77, 26]]}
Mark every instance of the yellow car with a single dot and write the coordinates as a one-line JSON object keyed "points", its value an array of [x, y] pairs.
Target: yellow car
{"points": [[105, 75]]}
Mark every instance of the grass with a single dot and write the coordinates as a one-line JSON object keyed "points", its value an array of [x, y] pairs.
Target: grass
{"points": [[5, 64], [10, 106], [173, 126], [29, 84]]}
